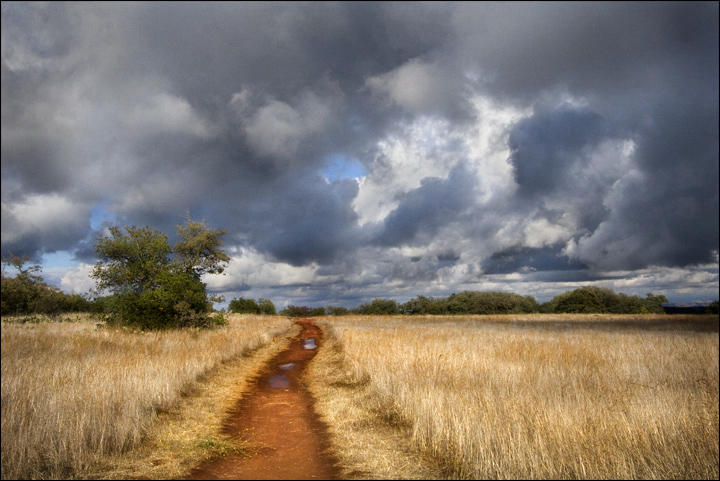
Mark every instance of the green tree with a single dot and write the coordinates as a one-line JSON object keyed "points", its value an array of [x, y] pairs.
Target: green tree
{"points": [[582, 300], [417, 305], [713, 308], [266, 306], [20, 293], [653, 304], [302, 311], [337, 311], [27, 292], [380, 307], [155, 286], [244, 306]]}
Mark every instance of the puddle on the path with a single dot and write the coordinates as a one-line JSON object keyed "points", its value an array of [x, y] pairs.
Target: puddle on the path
{"points": [[279, 381], [309, 343], [287, 367]]}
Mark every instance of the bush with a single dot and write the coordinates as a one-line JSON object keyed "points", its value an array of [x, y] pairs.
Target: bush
{"points": [[244, 306], [380, 307], [472, 302], [713, 308], [251, 306], [302, 311], [594, 299], [155, 286], [27, 293], [337, 311]]}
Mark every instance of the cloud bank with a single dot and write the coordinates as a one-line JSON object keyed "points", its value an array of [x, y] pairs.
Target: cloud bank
{"points": [[529, 148]]}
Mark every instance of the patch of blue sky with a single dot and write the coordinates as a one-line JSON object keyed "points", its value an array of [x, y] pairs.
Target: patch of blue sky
{"points": [[59, 259], [340, 166], [98, 215]]}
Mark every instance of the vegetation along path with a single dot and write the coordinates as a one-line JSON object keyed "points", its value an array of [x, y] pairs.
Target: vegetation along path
{"points": [[285, 437]]}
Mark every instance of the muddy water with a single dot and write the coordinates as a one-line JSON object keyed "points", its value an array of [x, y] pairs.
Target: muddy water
{"points": [[288, 440]]}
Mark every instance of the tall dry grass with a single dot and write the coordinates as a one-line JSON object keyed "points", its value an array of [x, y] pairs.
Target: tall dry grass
{"points": [[72, 393], [533, 399]]}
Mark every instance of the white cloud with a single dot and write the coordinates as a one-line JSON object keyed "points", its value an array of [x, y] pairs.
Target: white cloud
{"points": [[46, 215], [77, 279], [249, 267], [428, 147], [541, 232], [416, 86], [163, 112], [277, 128]]}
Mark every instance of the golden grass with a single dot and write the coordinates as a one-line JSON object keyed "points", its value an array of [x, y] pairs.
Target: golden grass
{"points": [[84, 402], [592, 397]]}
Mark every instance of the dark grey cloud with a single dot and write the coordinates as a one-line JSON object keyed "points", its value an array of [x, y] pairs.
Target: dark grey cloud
{"points": [[527, 259], [422, 212], [316, 223], [607, 158], [545, 147]]}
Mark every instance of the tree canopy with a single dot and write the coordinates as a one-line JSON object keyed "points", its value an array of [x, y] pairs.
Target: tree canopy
{"points": [[27, 292], [154, 285]]}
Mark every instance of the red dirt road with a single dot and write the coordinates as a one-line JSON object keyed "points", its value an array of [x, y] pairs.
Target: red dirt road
{"points": [[288, 439]]}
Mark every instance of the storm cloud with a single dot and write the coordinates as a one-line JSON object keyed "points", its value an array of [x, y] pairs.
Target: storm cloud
{"points": [[356, 150]]}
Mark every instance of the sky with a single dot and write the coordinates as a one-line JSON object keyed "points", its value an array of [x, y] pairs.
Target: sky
{"points": [[363, 150]]}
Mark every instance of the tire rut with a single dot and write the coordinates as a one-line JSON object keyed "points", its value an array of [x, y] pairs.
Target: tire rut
{"points": [[277, 419]]}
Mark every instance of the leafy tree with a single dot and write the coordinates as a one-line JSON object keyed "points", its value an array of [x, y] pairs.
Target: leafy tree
{"points": [[155, 286], [336, 311], [713, 308], [418, 305], [27, 292], [244, 306], [251, 306], [380, 307], [595, 299], [302, 311], [20, 293], [266, 306], [579, 301]]}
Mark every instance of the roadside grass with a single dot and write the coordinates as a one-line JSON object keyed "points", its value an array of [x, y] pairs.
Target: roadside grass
{"points": [[478, 397], [83, 402]]}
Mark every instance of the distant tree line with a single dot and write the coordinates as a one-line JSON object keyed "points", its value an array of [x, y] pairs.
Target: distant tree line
{"points": [[251, 306], [27, 292], [164, 296], [588, 299], [602, 300]]}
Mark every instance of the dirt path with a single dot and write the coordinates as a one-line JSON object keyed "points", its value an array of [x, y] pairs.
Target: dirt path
{"points": [[289, 441]]}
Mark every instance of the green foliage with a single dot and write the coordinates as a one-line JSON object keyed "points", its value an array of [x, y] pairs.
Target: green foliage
{"points": [[199, 250], [579, 301], [266, 306], [594, 299], [380, 307], [154, 286], [178, 300], [713, 308], [420, 305], [251, 306], [27, 293], [337, 311], [302, 311], [472, 302], [244, 306]]}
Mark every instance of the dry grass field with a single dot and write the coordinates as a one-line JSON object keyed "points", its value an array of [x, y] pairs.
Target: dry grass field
{"points": [[525, 397], [81, 402]]}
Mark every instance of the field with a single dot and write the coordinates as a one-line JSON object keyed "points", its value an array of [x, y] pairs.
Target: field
{"points": [[82, 402], [590, 397], [467, 397]]}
